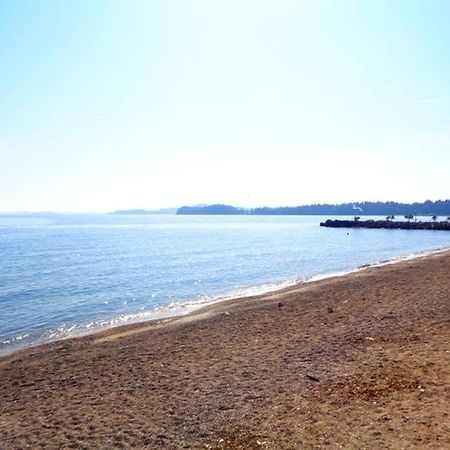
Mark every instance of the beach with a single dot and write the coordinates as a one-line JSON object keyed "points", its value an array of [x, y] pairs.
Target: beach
{"points": [[358, 361]]}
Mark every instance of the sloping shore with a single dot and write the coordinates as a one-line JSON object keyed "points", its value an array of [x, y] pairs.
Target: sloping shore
{"points": [[360, 361]]}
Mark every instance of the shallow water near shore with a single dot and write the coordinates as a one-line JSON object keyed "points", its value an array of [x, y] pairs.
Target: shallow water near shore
{"points": [[68, 275]]}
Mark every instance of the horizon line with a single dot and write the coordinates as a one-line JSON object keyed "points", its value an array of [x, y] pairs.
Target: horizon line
{"points": [[49, 212]]}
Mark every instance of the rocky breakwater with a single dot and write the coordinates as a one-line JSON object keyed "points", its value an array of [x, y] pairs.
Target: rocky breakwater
{"points": [[389, 224]]}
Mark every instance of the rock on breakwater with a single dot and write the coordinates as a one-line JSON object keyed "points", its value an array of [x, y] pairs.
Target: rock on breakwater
{"points": [[386, 224]]}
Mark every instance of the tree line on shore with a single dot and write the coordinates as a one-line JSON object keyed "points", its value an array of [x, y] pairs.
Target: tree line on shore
{"points": [[427, 208]]}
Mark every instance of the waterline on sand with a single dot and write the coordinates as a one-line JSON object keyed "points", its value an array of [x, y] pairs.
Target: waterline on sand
{"points": [[182, 308]]}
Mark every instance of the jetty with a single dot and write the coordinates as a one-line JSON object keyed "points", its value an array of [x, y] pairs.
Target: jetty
{"points": [[387, 224]]}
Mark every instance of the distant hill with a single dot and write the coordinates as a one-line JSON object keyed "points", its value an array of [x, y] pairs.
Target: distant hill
{"points": [[212, 209], [428, 208], [146, 211]]}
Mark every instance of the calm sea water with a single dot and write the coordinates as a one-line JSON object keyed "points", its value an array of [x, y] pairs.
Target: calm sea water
{"points": [[65, 275]]}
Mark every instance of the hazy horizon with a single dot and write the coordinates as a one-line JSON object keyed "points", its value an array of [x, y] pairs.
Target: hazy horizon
{"points": [[196, 205], [113, 105]]}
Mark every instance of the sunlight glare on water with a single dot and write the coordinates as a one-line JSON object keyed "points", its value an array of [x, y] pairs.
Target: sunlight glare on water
{"points": [[65, 275]]}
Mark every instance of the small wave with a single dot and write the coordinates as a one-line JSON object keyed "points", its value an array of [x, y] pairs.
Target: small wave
{"points": [[382, 262], [14, 339], [173, 309], [397, 259], [71, 330]]}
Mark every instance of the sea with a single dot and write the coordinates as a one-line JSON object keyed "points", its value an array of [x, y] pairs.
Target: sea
{"points": [[67, 275]]}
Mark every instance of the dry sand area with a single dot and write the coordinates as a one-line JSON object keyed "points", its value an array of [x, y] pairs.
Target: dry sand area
{"points": [[361, 361]]}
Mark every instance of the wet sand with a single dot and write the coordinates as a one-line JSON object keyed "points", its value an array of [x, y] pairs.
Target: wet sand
{"points": [[360, 361]]}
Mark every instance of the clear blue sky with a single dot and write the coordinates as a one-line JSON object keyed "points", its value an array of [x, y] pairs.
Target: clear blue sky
{"points": [[127, 104]]}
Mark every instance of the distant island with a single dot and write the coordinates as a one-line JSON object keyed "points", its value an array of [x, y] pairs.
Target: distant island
{"points": [[145, 211], [427, 208]]}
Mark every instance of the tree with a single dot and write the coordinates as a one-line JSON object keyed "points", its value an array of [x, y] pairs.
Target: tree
{"points": [[409, 217], [356, 218]]}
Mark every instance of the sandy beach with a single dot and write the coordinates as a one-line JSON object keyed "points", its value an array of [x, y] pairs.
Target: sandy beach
{"points": [[359, 361]]}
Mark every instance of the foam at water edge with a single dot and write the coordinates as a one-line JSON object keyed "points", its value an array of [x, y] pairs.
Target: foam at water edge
{"points": [[383, 262], [175, 309]]}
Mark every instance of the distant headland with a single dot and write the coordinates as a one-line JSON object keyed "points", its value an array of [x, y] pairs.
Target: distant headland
{"points": [[145, 211], [427, 208]]}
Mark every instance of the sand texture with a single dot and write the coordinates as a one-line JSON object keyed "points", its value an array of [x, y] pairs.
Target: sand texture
{"points": [[361, 361]]}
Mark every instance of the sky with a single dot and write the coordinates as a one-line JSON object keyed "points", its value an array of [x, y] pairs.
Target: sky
{"points": [[108, 104]]}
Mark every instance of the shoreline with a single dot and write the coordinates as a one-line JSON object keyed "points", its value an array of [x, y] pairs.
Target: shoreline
{"points": [[180, 310], [352, 361]]}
